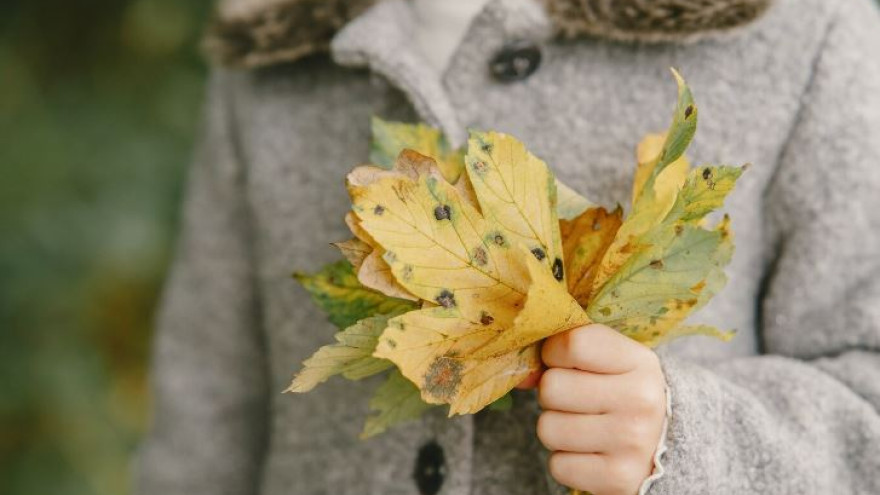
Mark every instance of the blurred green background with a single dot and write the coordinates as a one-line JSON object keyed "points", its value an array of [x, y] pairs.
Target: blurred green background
{"points": [[99, 103]]}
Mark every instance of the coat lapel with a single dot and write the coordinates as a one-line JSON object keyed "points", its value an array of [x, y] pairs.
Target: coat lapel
{"points": [[382, 40]]}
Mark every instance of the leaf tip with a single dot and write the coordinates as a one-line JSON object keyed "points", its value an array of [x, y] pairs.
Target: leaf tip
{"points": [[296, 387], [677, 76]]}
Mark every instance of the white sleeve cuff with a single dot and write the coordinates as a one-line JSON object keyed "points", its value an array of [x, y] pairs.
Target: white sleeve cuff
{"points": [[658, 470]]}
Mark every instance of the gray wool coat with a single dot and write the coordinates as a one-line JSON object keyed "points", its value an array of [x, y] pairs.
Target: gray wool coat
{"points": [[790, 406]]}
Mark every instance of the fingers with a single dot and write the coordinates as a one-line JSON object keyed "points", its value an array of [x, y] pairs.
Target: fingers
{"points": [[594, 348], [576, 432], [582, 392], [596, 434], [596, 473]]}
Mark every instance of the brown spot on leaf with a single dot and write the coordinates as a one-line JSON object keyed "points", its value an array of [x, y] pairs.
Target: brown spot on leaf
{"points": [[443, 378], [486, 147], [486, 318], [499, 240], [378, 210], [656, 264], [558, 271], [685, 304], [539, 254], [480, 256], [628, 248], [407, 272], [391, 343], [688, 111], [442, 212], [707, 173], [446, 299], [679, 229], [479, 166]]}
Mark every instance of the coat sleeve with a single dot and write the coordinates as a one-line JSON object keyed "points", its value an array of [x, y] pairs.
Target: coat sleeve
{"points": [[805, 416], [209, 369]]}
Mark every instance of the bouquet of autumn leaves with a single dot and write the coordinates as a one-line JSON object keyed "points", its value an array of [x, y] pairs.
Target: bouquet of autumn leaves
{"points": [[462, 261]]}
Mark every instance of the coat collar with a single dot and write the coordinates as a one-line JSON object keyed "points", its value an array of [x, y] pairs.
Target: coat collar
{"points": [[255, 33], [393, 54]]}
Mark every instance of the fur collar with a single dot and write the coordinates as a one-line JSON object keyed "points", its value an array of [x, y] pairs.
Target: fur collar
{"points": [[255, 33]]}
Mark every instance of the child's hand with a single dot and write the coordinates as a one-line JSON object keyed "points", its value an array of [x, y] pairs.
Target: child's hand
{"points": [[604, 402]]}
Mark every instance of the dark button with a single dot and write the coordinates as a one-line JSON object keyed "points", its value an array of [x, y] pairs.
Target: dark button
{"points": [[430, 469], [515, 61]]}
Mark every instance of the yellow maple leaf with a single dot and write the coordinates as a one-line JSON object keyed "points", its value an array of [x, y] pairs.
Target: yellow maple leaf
{"points": [[517, 193], [438, 246], [548, 310], [432, 348]]}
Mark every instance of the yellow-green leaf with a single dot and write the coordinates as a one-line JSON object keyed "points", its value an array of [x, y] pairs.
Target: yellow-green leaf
{"points": [[660, 174], [336, 290], [705, 190], [658, 287], [689, 330], [390, 138], [396, 401], [681, 130], [668, 182], [504, 404], [351, 356]]}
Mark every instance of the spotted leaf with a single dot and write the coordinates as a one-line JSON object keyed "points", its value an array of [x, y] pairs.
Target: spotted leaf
{"points": [[431, 347], [438, 246], [390, 138], [661, 285], [517, 194], [351, 356], [336, 289]]}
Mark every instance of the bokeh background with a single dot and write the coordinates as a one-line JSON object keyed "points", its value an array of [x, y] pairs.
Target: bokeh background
{"points": [[99, 104]]}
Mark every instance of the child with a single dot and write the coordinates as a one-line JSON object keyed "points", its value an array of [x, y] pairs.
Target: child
{"points": [[790, 406]]}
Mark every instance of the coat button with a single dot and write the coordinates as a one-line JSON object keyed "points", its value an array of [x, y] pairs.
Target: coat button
{"points": [[430, 469], [515, 61]]}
